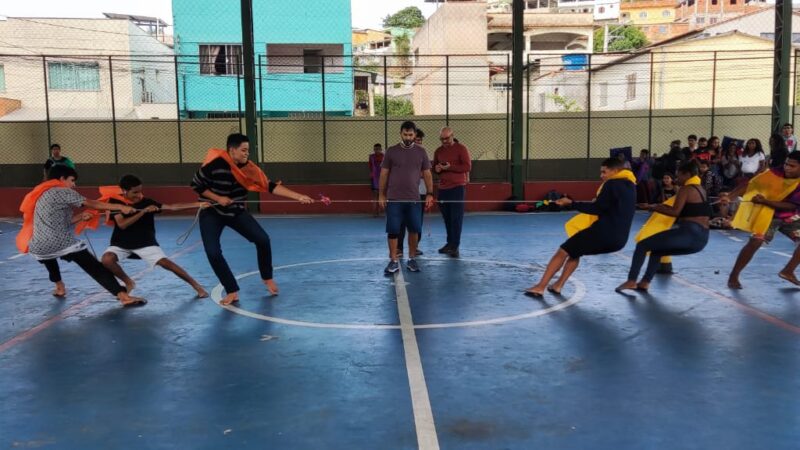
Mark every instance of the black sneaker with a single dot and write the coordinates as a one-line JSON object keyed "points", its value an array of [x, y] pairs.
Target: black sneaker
{"points": [[445, 250], [412, 265], [392, 267], [453, 253], [419, 253]]}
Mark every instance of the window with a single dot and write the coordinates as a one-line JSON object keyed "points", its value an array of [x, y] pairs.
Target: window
{"points": [[70, 76], [542, 102], [733, 2], [701, 20], [631, 87], [712, 20], [221, 59], [662, 29], [601, 9], [666, 13], [312, 61], [643, 15], [2, 78], [603, 94], [714, 2]]}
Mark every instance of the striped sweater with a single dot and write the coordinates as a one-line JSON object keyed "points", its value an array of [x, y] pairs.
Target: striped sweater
{"points": [[217, 177]]}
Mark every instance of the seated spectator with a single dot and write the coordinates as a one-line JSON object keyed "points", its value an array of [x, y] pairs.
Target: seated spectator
{"points": [[702, 149], [753, 159], [777, 151], [645, 186], [730, 166], [688, 151], [711, 182], [668, 188]]}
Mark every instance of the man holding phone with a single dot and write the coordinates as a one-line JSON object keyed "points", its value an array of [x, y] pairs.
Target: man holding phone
{"points": [[451, 161]]}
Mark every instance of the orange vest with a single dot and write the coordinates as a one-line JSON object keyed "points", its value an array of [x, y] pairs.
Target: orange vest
{"points": [[251, 177], [27, 208]]}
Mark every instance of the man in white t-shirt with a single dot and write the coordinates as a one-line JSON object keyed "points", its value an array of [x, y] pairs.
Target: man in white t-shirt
{"points": [[789, 137]]}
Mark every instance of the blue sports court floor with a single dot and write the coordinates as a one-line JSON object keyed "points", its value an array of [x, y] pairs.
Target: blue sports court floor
{"points": [[452, 357]]}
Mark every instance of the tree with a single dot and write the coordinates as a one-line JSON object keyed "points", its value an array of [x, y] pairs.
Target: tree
{"points": [[621, 38], [566, 104], [397, 107], [410, 17]]}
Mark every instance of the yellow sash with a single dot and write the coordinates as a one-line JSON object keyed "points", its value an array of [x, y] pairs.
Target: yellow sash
{"points": [[662, 222], [756, 218], [583, 221]]}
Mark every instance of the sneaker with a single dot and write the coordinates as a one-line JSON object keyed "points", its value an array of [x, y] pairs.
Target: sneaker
{"points": [[419, 253], [392, 267], [453, 253], [445, 250], [412, 265]]}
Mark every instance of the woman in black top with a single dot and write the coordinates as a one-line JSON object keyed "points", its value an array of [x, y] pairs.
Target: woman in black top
{"points": [[689, 236]]}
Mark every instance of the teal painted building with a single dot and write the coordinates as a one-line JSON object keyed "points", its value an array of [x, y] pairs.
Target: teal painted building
{"points": [[298, 43]]}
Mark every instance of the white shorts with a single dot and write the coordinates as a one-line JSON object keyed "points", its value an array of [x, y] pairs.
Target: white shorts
{"points": [[151, 255]]}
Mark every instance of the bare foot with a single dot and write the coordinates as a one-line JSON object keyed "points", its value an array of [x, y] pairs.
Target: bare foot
{"points": [[230, 299], [789, 277], [128, 300], [60, 290], [201, 293], [271, 286], [535, 291], [734, 283], [628, 285], [130, 285]]}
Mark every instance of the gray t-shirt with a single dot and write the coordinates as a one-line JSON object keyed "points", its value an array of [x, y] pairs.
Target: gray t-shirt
{"points": [[52, 221], [405, 165]]}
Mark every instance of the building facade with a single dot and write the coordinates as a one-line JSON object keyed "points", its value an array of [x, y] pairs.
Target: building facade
{"points": [[297, 45]]}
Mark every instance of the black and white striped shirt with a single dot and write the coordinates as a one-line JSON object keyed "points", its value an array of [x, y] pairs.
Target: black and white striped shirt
{"points": [[218, 178]]}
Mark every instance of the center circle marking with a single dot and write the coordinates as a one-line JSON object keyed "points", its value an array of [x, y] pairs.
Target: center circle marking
{"points": [[580, 292]]}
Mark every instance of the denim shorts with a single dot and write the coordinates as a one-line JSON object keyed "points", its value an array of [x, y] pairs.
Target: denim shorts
{"points": [[399, 213]]}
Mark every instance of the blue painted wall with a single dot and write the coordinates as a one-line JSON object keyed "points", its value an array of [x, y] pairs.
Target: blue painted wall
{"points": [[275, 22]]}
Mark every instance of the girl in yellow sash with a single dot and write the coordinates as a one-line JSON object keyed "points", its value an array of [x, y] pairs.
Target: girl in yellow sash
{"points": [[772, 202], [658, 237], [602, 227]]}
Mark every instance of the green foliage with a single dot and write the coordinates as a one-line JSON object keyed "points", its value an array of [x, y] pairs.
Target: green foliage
{"points": [[410, 18], [566, 104], [624, 38], [397, 107]]}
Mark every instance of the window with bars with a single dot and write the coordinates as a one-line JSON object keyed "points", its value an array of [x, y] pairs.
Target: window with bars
{"points": [[221, 59], [631, 78], [73, 76]]}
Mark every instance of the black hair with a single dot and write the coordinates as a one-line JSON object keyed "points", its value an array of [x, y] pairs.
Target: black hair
{"points": [[235, 140], [759, 147], [420, 133], [703, 162], [52, 146], [644, 150], [408, 125], [669, 174], [613, 163], [795, 155], [787, 124], [377, 145], [129, 182], [703, 139], [692, 136], [690, 167], [59, 171]]}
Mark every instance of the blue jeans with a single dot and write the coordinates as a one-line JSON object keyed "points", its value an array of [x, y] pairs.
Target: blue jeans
{"points": [[401, 215], [453, 213], [687, 238], [211, 226]]}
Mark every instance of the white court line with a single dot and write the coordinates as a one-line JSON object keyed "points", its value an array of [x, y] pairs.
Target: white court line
{"points": [[19, 255], [423, 415], [734, 238], [781, 254]]}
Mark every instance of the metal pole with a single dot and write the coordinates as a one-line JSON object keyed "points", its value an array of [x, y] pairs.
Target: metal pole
{"points": [[248, 51], [589, 109], [113, 111], [47, 105], [385, 103], [713, 93], [780, 75], [447, 90], [178, 110], [324, 113], [517, 181], [508, 112], [794, 90], [261, 107], [650, 110], [238, 96], [528, 116]]}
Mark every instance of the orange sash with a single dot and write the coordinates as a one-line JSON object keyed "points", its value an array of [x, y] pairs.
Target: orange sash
{"points": [[27, 208], [106, 194], [251, 177]]}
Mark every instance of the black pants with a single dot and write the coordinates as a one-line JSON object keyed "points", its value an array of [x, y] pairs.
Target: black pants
{"points": [[453, 213], [687, 238], [90, 265], [211, 226], [402, 236]]}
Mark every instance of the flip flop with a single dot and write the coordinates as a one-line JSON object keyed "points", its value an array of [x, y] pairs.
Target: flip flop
{"points": [[533, 294], [792, 280], [135, 303], [640, 289], [551, 290]]}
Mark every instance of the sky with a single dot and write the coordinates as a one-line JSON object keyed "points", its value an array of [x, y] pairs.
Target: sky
{"points": [[366, 13]]}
